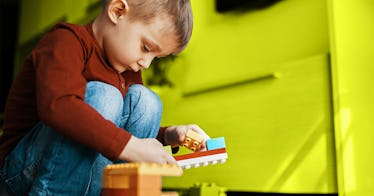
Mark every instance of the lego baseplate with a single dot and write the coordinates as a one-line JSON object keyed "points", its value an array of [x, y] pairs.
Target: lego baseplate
{"points": [[143, 168], [204, 158]]}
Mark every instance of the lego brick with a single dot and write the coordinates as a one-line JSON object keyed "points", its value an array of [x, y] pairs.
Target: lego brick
{"points": [[204, 158], [116, 181], [216, 143], [130, 192], [193, 140], [169, 193], [200, 154], [193, 135], [132, 181], [143, 168], [207, 189], [202, 161], [136, 179]]}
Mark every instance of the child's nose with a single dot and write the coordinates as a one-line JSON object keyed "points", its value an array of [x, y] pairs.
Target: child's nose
{"points": [[145, 62]]}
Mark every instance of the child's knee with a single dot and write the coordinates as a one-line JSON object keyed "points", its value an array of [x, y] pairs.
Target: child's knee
{"points": [[147, 98], [105, 98]]}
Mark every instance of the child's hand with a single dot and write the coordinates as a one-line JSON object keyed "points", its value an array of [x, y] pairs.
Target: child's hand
{"points": [[175, 135], [146, 150]]}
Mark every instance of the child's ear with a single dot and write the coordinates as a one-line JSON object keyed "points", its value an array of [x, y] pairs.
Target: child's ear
{"points": [[116, 9]]}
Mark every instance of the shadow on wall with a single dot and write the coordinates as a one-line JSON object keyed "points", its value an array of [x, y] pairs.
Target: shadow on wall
{"points": [[7, 47], [243, 5]]}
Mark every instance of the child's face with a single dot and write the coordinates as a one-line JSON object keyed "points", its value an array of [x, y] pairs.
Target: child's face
{"points": [[132, 45]]}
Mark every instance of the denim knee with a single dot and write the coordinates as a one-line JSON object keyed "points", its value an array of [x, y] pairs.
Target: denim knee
{"points": [[142, 112], [147, 100], [105, 99]]}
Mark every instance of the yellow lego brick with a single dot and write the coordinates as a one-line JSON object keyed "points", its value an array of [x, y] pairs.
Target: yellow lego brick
{"points": [[121, 181], [130, 192], [116, 181], [143, 169], [193, 140], [195, 136], [169, 194]]}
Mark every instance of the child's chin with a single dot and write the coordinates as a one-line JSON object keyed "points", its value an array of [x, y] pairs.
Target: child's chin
{"points": [[119, 69]]}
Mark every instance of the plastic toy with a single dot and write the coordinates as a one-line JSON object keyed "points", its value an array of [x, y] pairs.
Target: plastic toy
{"points": [[215, 143], [207, 189], [193, 140], [216, 153], [137, 179], [202, 158]]}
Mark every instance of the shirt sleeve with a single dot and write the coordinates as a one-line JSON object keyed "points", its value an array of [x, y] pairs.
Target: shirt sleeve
{"points": [[161, 135], [60, 88]]}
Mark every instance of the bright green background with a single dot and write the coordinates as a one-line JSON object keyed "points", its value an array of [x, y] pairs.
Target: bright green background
{"points": [[278, 130], [352, 40], [302, 121]]}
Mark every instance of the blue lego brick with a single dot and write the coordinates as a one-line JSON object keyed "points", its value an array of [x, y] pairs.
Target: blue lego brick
{"points": [[216, 143]]}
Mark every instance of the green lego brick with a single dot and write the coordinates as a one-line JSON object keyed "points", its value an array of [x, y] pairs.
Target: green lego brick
{"points": [[207, 189]]}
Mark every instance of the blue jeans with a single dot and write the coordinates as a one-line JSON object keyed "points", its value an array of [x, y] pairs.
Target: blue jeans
{"points": [[45, 162]]}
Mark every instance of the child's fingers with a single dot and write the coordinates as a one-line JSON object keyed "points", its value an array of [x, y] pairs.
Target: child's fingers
{"points": [[203, 146], [170, 159], [200, 131]]}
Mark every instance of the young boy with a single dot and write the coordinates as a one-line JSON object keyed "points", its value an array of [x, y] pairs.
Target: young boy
{"points": [[78, 103]]}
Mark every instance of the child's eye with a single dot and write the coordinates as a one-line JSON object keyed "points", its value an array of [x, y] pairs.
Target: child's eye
{"points": [[146, 48]]}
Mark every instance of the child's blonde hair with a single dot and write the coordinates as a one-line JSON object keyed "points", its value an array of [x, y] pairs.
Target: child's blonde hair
{"points": [[178, 10]]}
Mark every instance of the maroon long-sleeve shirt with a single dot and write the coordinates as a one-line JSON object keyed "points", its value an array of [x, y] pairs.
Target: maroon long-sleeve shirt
{"points": [[51, 87]]}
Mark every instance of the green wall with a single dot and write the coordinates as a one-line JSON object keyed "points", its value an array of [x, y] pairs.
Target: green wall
{"points": [[352, 46], [233, 45], [38, 16], [278, 122]]}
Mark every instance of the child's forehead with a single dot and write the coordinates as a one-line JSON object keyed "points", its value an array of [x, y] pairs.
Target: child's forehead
{"points": [[161, 32], [156, 31], [161, 25], [161, 21]]}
